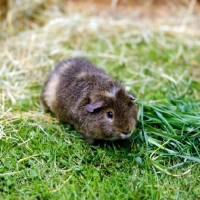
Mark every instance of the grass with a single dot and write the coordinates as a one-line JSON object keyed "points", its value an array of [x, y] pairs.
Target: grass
{"points": [[42, 159]]}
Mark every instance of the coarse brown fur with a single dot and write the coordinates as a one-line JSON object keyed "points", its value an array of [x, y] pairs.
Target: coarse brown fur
{"points": [[83, 95]]}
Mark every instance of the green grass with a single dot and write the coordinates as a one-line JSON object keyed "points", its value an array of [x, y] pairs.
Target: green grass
{"points": [[42, 159]]}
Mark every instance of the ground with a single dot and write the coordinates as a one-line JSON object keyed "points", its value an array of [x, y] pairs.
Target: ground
{"points": [[152, 49]]}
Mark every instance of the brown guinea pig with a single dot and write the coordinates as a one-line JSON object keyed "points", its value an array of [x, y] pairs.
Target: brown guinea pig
{"points": [[86, 97]]}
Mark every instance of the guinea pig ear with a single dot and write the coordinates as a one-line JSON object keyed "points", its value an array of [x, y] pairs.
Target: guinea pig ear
{"points": [[92, 106], [131, 97]]}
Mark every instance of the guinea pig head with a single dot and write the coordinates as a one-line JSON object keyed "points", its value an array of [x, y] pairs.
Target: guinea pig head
{"points": [[113, 114]]}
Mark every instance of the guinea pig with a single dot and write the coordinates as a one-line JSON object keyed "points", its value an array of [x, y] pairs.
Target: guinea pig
{"points": [[84, 96]]}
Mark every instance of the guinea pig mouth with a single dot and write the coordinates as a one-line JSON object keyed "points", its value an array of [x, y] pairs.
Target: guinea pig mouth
{"points": [[119, 136], [125, 135]]}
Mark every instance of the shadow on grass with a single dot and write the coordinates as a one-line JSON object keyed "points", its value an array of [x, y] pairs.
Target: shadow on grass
{"points": [[119, 144]]}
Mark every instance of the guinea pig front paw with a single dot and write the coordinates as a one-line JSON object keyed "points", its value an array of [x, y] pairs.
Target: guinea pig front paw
{"points": [[90, 141]]}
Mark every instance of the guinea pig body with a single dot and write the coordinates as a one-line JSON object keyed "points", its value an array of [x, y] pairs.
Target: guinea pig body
{"points": [[86, 97]]}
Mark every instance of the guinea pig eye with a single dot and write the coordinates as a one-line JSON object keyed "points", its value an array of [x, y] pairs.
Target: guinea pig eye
{"points": [[109, 115]]}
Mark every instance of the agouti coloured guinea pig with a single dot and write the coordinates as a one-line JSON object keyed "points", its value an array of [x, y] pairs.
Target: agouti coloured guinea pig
{"points": [[84, 96]]}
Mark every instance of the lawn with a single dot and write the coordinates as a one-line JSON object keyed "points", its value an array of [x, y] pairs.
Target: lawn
{"points": [[157, 61]]}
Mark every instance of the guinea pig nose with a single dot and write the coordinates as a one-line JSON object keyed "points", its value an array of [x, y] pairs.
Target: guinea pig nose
{"points": [[126, 133]]}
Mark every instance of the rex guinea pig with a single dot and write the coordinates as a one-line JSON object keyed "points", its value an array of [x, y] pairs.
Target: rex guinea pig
{"points": [[84, 96]]}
